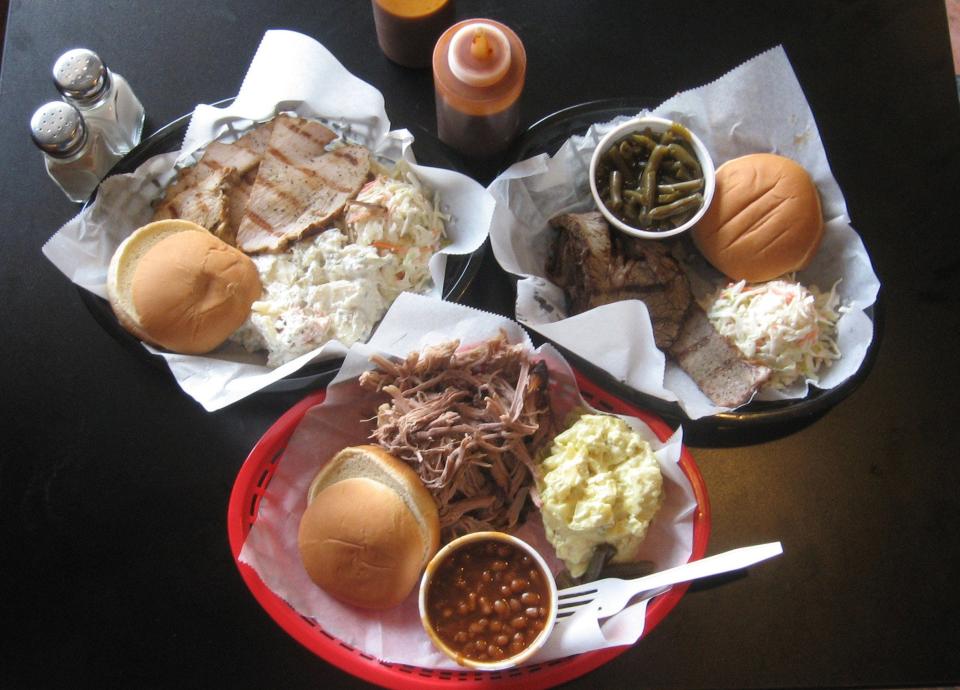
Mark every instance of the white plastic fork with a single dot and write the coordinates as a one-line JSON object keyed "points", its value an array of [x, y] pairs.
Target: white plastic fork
{"points": [[611, 595]]}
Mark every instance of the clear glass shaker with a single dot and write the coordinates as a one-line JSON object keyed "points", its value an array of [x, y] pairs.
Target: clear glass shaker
{"points": [[77, 157], [104, 98]]}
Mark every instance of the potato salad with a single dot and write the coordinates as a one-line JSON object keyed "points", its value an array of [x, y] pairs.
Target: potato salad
{"points": [[601, 484]]}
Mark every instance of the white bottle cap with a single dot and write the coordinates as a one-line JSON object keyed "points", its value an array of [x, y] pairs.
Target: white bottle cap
{"points": [[469, 73]]}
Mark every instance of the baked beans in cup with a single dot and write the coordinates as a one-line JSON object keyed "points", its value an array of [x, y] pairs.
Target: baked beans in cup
{"points": [[488, 601]]}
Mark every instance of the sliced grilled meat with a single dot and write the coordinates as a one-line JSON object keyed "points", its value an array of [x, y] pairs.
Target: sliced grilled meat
{"points": [[206, 203], [595, 266], [300, 186], [715, 364]]}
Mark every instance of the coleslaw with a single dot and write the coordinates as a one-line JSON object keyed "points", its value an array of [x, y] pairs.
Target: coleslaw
{"points": [[394, 214], [781, 324], [338, 284]]}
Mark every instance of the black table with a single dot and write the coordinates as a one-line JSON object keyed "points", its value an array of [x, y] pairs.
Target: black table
{"points": [[114, 484]]}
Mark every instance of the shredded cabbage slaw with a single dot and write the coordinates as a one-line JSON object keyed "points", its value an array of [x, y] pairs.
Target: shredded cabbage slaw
{"points": [[781, 324], [339, 284], [396, 215]]}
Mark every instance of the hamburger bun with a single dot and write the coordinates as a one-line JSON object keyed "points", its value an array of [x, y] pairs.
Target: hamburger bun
{"points": [[369, 529], [765, 219], [175, 285]]}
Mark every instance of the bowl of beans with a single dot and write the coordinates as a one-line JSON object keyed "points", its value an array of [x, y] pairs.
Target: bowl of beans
{"points": [[488, 601], [652, 177]]}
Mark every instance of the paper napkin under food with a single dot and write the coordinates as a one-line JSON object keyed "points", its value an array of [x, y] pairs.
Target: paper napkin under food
{"points": [[396, 635], [289, 73], [724, 114]]}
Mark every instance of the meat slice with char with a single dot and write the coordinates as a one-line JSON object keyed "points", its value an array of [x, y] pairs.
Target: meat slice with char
{"points": [[300, 187], [596, 265], [206, 203], [715, 364], [214, 192], [243, 155]]}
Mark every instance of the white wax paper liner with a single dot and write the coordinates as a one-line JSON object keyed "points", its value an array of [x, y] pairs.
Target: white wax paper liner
{"points": [[289, 73], [725, 116], [396, 635]]}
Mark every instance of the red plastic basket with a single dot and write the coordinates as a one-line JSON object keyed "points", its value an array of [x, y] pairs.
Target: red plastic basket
{"points": [[252, 482]]}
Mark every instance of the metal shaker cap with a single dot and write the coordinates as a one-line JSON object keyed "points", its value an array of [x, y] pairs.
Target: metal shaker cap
{"points": [[58, 129], [81, 75]]}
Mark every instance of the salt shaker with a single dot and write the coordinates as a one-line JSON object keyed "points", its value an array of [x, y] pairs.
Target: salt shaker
{"points": [[77, 157], [104, 98]]}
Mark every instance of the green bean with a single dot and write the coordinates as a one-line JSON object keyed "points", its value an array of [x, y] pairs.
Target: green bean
{"points": [[683, 173], [682, 155], [688, 186], [619, 161], [651, 180], [644, 141], [685, 204], [648, 181], [616, 189], [673, 167]]}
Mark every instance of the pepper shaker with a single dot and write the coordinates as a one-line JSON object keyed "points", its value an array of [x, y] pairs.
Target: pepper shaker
{"points": [[76, 156], [104, 98]]}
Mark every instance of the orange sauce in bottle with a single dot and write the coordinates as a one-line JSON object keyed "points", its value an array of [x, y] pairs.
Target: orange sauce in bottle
{"points": [[479, 68], [408, 29]]}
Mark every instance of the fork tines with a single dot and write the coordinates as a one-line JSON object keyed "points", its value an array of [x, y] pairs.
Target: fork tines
{"points": [[568, 602]]}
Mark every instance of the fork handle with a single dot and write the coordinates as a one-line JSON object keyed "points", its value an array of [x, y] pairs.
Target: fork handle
{"points": [[705, 567]]}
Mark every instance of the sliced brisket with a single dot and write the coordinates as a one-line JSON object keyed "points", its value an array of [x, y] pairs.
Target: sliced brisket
{"points": [[595, 266]]}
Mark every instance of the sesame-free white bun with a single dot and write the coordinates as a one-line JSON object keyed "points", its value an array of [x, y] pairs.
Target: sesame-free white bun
{"points": [[175, 285], [369, 529], [765, 219]]}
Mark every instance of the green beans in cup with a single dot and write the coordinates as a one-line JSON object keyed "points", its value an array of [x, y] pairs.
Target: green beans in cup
{"points": [[652, 177]]}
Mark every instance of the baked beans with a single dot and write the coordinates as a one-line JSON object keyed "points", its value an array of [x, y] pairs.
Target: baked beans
{"points": [[488, 600]]}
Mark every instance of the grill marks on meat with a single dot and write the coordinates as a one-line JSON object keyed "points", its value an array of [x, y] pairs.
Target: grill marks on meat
{"points": [[715, 364], [469, 422], [300, 186], [274, 185], [214, 192], [207, 203], [597, 266]]}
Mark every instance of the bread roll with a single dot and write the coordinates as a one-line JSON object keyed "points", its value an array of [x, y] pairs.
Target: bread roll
{"points": [[369, 529], [175, 285], [765, 219]]}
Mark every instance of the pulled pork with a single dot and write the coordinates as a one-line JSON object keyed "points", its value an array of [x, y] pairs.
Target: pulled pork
{"points": [[469, 422]]}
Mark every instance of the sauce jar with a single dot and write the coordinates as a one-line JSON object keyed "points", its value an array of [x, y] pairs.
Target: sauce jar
{"points": [[479, 67], [408, 29]]}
